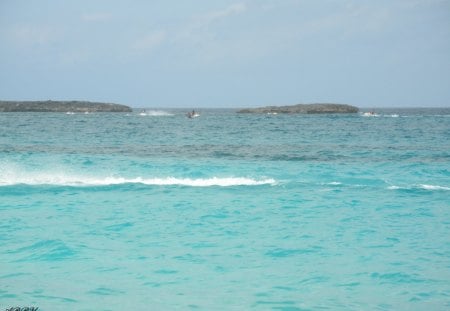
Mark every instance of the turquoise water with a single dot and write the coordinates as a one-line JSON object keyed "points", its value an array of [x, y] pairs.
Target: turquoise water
{"points": [[225, 211]]}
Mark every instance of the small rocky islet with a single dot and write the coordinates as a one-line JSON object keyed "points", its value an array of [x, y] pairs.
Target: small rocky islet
{"points": [[61, 106], [303, 109]]}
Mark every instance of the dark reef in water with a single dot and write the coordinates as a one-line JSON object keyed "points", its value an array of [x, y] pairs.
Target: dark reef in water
{"points": [[303, 108], [60, 106]]}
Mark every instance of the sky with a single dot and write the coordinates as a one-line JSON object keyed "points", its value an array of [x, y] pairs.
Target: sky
{"points": [[227, 54]]}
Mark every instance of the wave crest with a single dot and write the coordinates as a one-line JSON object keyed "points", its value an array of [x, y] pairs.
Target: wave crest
{"points": [[76, 181], [155, 113], [420, 187]]}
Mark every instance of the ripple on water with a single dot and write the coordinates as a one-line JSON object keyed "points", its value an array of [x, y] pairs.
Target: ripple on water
{"points": [[45, 250]]}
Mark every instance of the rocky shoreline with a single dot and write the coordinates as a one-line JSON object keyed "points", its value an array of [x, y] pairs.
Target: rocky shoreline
{"points": [[303, 108], [61, 106]]}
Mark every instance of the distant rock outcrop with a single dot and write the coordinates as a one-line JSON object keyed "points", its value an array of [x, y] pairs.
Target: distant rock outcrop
{"points": [[303, 108], [61, 106]]}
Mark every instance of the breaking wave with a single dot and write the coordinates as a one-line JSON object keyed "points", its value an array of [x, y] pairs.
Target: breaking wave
{"points": [[155, 113], [78, 181], [421, 187]]}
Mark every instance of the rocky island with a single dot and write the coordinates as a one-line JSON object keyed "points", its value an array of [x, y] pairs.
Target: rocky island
{"points": [[303, 108], [61, 106]]}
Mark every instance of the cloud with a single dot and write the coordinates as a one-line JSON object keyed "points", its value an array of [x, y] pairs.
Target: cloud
{"points": [[149, 41], [25, 35], [200, 31], [233, 9]]}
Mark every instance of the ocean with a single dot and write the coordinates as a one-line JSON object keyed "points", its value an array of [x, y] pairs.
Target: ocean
{"points": [[156, 211]]}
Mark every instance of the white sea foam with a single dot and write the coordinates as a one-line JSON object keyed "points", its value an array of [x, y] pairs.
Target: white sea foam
{"points": [[424, 187], [394, 187], [72, 180], [156, 113], [432, 187], [370, 114]]}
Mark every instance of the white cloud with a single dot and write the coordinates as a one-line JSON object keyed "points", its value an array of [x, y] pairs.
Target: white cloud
{"points": [[25, 35], [149, 41], [233, 9], [199, 31]]}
